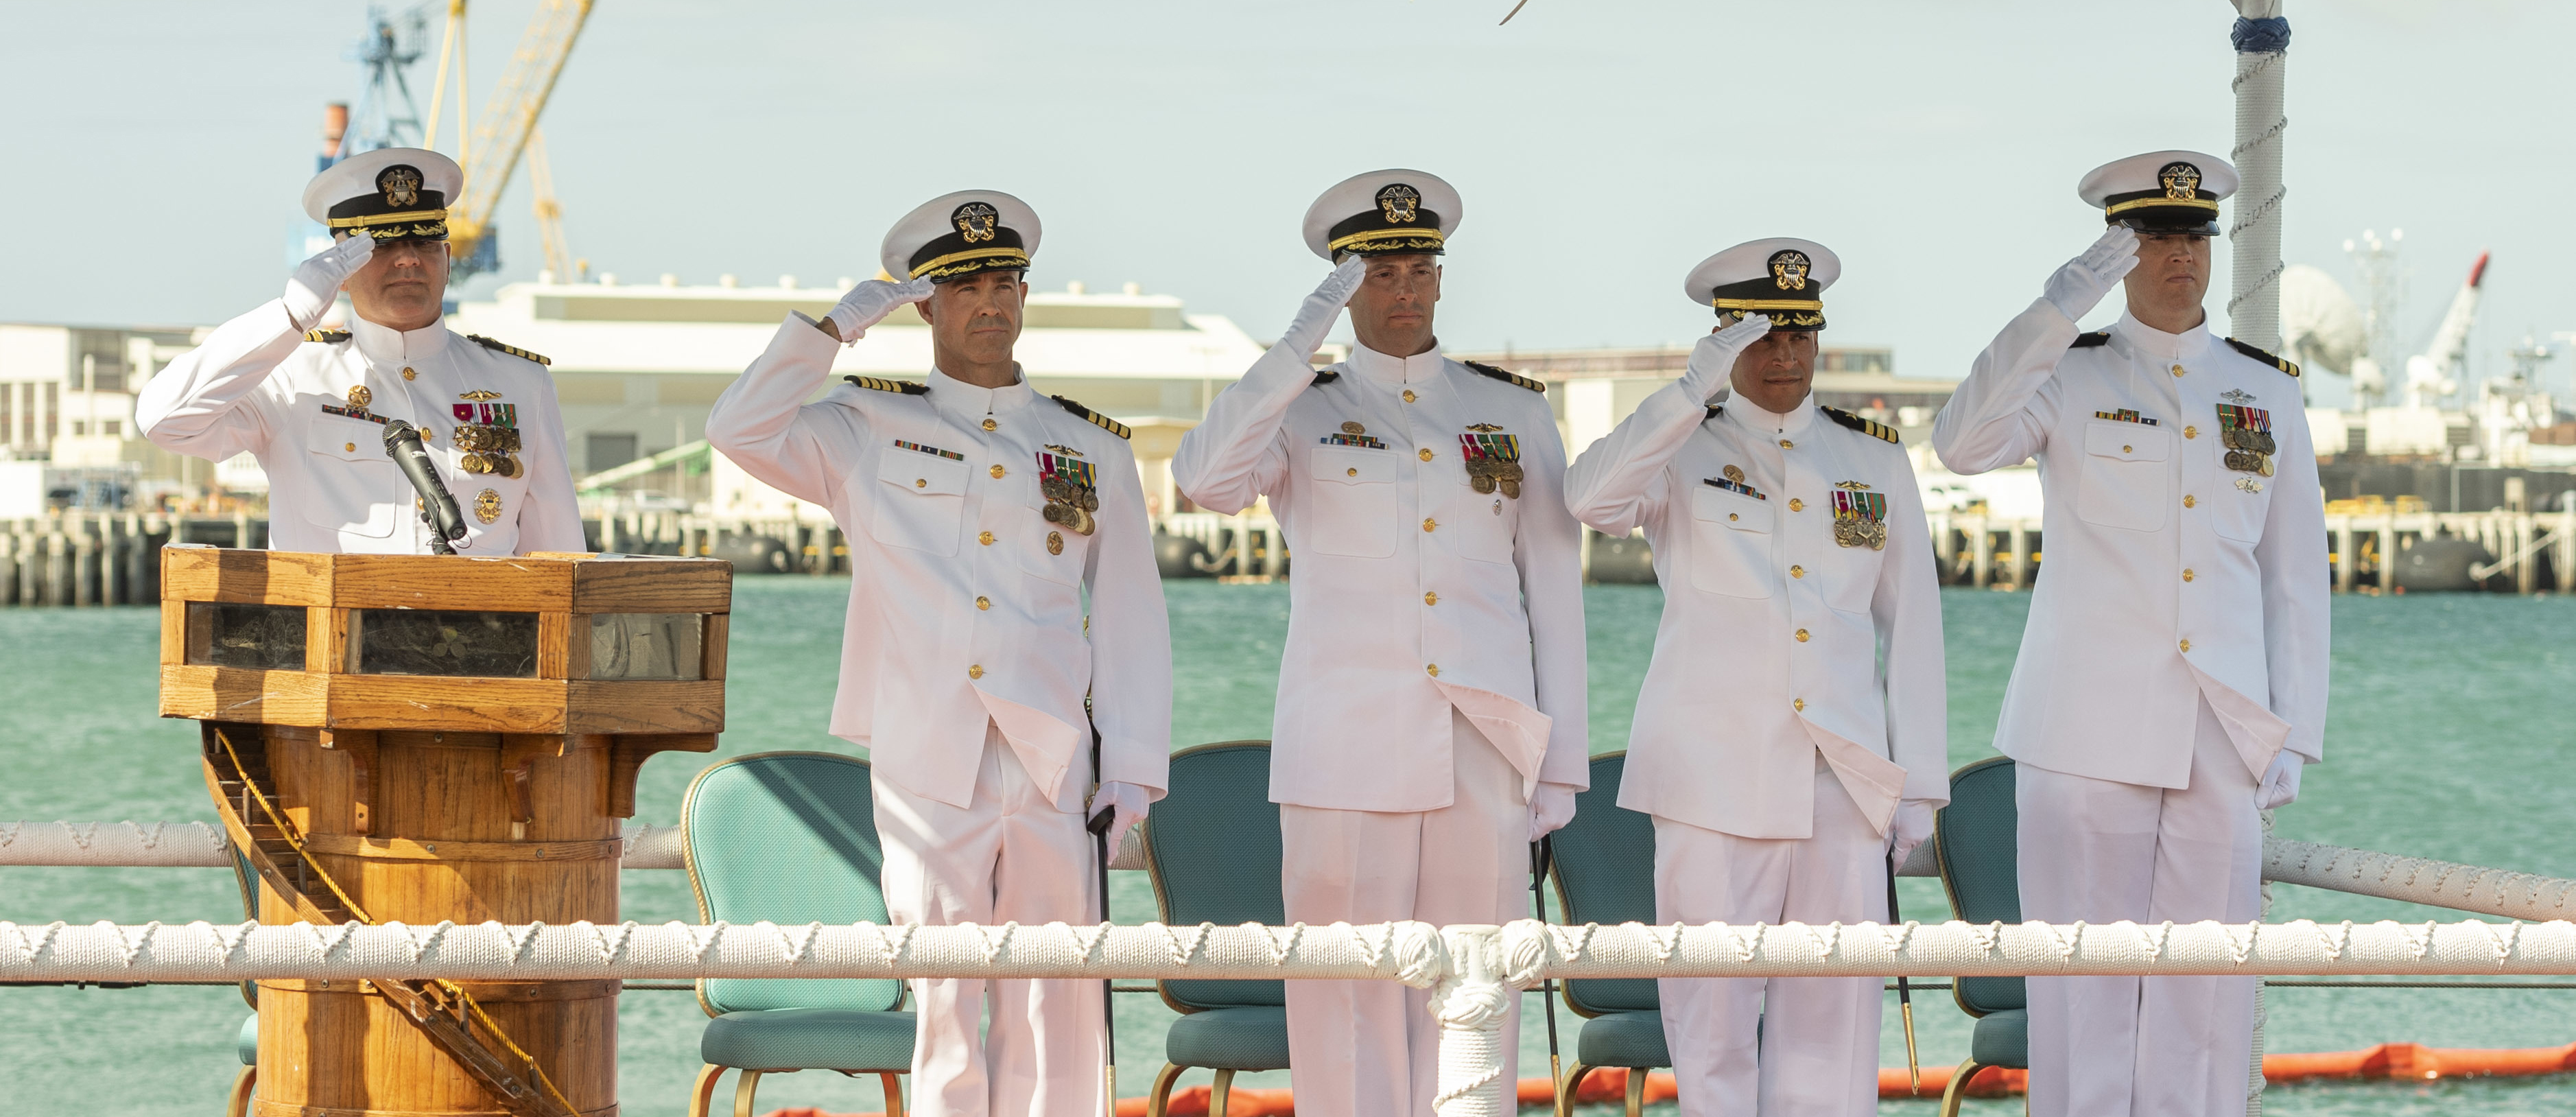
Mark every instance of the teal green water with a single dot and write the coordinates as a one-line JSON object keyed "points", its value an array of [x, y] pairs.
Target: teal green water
{"points": [[2448, 739]]}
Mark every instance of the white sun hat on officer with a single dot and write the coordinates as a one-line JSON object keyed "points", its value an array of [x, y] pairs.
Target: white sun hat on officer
{"points": [[392, 193], [957, 235], [1394, 212], [1783, 277], [2161, 192]]}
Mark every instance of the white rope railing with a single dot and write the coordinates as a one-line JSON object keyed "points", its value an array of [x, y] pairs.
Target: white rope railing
{"points": [[2442, 884]]}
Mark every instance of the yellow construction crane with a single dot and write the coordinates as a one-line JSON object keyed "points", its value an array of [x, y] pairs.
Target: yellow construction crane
{"points": [[501, 133], [550, 232]]}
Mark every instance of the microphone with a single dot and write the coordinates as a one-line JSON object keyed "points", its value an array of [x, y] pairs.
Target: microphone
{"points": [[438, 506]]}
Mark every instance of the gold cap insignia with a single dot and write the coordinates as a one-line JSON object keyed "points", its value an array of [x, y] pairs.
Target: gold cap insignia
{"points": [[1789, 270], [1487, 428], [400, 186], [487, 506], [360, 397], [1399, 202], [1353, 427], [1731, 473], [1067, 451], [2181, 181], [977, 220], [478, 395]]}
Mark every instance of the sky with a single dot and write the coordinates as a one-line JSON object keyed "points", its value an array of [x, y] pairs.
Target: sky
{"points": [[155, 151]]}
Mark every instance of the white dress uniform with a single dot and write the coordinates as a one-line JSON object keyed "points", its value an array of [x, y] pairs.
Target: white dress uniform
{"points": [[966, 660], [2177, 643], [311, 406], [1770, 744], [1434, 669]]}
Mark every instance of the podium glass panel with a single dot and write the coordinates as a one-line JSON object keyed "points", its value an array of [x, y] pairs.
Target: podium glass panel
{"points": [[259, 637], [648, 646], [443, 642]]}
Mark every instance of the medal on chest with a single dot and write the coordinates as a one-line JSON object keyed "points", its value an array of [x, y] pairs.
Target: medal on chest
{"points": [[2247, 434], [359, 398], [488, 433], [1493, 459], [1860, 518], [1071, 488]]}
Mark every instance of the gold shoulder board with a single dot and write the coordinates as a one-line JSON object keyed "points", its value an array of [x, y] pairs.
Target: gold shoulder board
{"points": [[512, 350], [1514, 378], [2265, 356], [1095, 418], [327, 337], [880, 384], [1868, 427]]}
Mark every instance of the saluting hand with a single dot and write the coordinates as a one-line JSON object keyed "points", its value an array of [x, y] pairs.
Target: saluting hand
{"points": [[2080, 285], [1315, 318], [316, 282], [1712, 361], [868, 304]]}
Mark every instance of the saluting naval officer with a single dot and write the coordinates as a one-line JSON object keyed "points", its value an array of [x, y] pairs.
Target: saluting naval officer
{"points": [[2172, 680], [980, 515], [1430, 720], [312, 404], [1781, 763]]}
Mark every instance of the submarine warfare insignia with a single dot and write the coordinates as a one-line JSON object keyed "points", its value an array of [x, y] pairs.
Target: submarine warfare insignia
{"points": [[1860, 519], [1493, 462], [487, 506], [2247, 434], [2238, 395], [479, 395], [488, 433], [1733, 482], [1353, 434], [1072, 494]]}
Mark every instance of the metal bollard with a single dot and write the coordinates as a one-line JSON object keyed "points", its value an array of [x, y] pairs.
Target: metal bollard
{"points": [[58, 570]]}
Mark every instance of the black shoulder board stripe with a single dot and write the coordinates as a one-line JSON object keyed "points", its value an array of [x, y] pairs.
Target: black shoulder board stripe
{"points": [[1095, 418], [1714, 410], [327, 337], [1873, 429], [1483, 369], [512, 350], [2092, 340], [2267, 358], [1327, 376], [879, 384]]}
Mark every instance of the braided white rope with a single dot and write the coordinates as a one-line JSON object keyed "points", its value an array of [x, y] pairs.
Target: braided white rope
{"points": [[156, 844], [2418, 880], [2254, 303]]}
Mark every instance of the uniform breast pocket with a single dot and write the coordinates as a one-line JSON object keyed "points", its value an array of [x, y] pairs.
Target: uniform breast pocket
{"points": [[1730, 543], [1055, 551], [1352, 502], [357, 489], [921, 501], [2128, 475], [2239, 509], [1485, 523], [1851, 576]]}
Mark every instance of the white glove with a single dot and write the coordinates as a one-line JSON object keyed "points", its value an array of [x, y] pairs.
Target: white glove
{"points": [[1315, 318], [2080, 285], [316, 283], [1129, 800], [868, 304], [2280, 782], [1551, 809], [1911, 827], [1712, 361]]}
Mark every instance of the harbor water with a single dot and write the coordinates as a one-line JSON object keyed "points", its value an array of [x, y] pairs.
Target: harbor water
{"points": [[2449, 738]]}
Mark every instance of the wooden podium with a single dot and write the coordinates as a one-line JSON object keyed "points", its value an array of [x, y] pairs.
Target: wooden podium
{"points": [[417, 739]]}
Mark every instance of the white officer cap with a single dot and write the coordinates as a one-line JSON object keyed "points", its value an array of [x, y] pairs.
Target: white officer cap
{"points": [[957, 235], [1393, 212], [2161, 191], [1783, 277], [391, 193]]}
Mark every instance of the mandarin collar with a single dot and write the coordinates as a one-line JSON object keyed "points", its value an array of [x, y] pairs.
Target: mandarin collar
{"points": [[2157, 343], [1743, 413], [384, 343], [971, 400], [1392, 371]]}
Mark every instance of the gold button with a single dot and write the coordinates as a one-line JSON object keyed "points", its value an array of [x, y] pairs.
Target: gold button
{"points": [[1797, 505], [1802, 636], [1797, 572], [1428, 523], [989, 424], [2190, 501], [2187, 575], [408, 374], [1431, 599], [985, 538], [2191, 432], [1798, 704], [921, 482], [1434, 668], [1785, 444], [349, 446], [975, 671], [428, 435], [1730, 515], [1408, 395], [1353, 471], [2128, 449], [1426, 453], [2186, 645], [983, 603], [997, 472], [2178, 370]]}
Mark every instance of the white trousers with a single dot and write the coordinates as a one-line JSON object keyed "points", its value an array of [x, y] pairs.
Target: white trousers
{"points": [[1012, 855], [1818, 1046], [2100, 852], [1371, 1048]]}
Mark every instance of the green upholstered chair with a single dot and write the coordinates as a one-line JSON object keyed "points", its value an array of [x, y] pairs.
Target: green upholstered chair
{"points": [[246, 1040], [1974, 838], [1605, 873], [1212, 848], [791, 837]]}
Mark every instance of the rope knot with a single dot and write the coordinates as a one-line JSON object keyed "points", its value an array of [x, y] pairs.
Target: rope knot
{"points": [[2268, 35]]}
